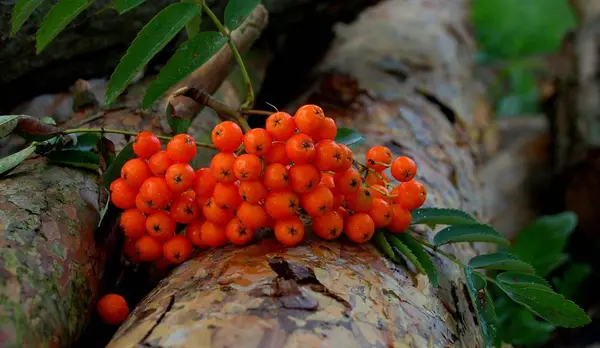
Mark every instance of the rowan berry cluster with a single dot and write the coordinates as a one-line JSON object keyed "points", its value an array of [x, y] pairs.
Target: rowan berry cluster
{"points": [[284, 177]]}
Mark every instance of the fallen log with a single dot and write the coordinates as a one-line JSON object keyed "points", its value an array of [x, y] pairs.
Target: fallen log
{"points": [[401, 75]]}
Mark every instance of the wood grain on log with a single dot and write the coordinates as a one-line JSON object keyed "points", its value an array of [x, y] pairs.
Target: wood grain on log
{"points": [[401, 74]]}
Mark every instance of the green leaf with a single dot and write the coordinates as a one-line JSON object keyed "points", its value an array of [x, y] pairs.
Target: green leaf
{"points": [[10, 162], [150, 40], [422, 257], [189, 57], [568, 284], [7, 124], [192, 28], [512, 278], [541, 243], [57, 19], [75, 158], [48, 120], [114, 171], [84, 142], [123, 6], [20, 12], [237, 11], [484, 307], [385, 247], [397, 243], [469, 233], [547, 304], [438, 216], [349, 137], [501, 261]]}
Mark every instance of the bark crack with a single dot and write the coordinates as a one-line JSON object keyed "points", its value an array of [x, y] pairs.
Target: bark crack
{"points": [[158, 321]]}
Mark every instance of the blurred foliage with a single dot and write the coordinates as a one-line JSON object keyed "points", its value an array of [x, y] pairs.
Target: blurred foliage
{"points": [[512, 32], [542, 245]]}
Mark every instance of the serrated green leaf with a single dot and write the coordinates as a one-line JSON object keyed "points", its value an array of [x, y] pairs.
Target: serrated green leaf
{"points": [[541, 243], [20, 12], [501, 261], [237, 11], [150, 40], [114, 171], [7, 124], [11, 161], [402, 248], [75, 158], [349, 137], [469, 233], [422, 257], [123, 6], [512, 278], [383, 245], [57, 19], [484, 307], [547, 304], [439, 216], [189, 57]]}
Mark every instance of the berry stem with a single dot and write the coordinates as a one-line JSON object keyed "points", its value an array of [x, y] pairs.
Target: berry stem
{"points": [[381, 192], [238, 58], [124, 132], [257, 112]]}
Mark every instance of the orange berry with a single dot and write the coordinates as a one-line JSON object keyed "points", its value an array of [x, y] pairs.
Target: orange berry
{"points": [[348, 182], [161, 226], [193, 232], [411, 194], [113, 309], [304, 177], [347, 159], [180, 177], [328, 156], [145, 206], [282, 204], [280, 125], [227, 136], [156, 192], [237, 233], [217, 214], [328, 130], [133, 223], [379, 157], [148, 249], [376, 178], [318, 201], [401, 219], [122, 195], [227, 195], [257, 141], [177, 249], [277, 154], [328, 181], [182, 148], [380, 192], [381, 213], [328, 226], [361, 201], [184, 209], [204, 183], [359, 228], [189, 193], [276, 176], [300, 148], [290, 231], [135, 171], [221, 167], [309, 119], [146, 144], [247, 167], [159, 162], [213, 235], [338, 200], [252, 191], [404, 169], [252, 216]]}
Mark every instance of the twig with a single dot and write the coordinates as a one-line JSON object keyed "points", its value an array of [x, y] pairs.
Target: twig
{"points": [[256, 112]]}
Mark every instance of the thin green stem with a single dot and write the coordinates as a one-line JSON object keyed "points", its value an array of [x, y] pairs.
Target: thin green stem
{"points": [[236, 54], [125, 132], [441, 252]]}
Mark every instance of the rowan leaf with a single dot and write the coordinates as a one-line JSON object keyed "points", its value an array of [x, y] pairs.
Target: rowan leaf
{"points": [[236, 12], [483, 304], [402, 248], [349, 137], [57, 19], [469, 233], [439, 216], [7, 124], [384, 246], [114, 171], [422, 257], [123, 6], [75, 158], [11, 161], [150, 40], [501, 261], [512, 278], [21, 12], [189, 57]]}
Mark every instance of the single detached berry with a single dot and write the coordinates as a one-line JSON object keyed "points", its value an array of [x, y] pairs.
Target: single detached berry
{"points": [[112, 309]]}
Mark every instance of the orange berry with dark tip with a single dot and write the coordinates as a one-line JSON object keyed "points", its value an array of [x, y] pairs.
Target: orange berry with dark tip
{"points": [[146, 144], [213, 235], [309, 119], [252, 216], [227, 136], [156, 192], [347, 158], [204, 183], [112, 309], [376, 178], [148, 248], [145, 206], [237, 233], [177, 249], [276, 177], [348, 182], [252, 191], [215, 213], [290, 231], [248, 167], [280, 126], [161, 226], [159, 162], [404, 169], [257, 141], [221, 167], [277, 154], [359, 227], [318, 201], [380, 192], [300, 148], [184, 209], [180, 177], [193, 232], [135, 171], [133, 223], [328, 156], [361, 201], [328, 130], [381, 213], [227, 195], [182, 148], [379, 157], [282, 204], [122, 195], [411, 194], [328, 226], [401, 219], [304, 177]]}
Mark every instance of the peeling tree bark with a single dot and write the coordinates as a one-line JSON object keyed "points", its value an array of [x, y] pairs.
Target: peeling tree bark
{"points": [[401, 74]]}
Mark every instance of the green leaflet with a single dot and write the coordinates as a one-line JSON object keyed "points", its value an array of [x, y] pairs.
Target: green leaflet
{"points": [[21, 12], [7, 124], [123, 6], [422, 256], [114, 171], [439, 216], [484, 307], [10, 162], [237, 11], [57, 19], [469, 233], [501, 261], [397, 243], [349, 137]]}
